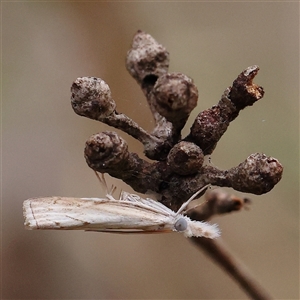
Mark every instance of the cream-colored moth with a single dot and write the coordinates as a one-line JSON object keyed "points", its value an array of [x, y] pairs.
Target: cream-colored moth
{"points": [[130, 213]]}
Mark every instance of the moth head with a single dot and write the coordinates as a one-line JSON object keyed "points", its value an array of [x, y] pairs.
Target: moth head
{"points": [[181, 224]]}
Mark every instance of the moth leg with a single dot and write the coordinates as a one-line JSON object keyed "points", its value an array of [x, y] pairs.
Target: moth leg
{"points": [[108, 192]]}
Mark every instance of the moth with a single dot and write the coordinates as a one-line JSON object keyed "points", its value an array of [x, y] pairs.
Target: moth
{"points": [[130, 214]]}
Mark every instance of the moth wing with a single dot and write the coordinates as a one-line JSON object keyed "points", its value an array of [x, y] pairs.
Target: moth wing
{"points": [[93, 214], [148, 202]]}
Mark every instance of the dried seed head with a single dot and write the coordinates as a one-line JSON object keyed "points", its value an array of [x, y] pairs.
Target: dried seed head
{"points": [[176, 96], [185, 158], [146, 58], [106, 151], [208, 128], [212, 123], [171, 97], [257, 174], [91, 98], [217, 202], [243, 91]]}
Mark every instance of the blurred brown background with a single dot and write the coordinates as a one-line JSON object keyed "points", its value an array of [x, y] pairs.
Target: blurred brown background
{"points": [[46, 46]]}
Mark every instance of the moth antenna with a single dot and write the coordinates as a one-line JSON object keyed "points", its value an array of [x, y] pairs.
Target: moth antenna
{"points": [[185, 204], [194, 207]]}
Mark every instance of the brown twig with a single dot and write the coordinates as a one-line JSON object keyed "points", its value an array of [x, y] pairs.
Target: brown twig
{"points": [[218, 202], [228, 261]]}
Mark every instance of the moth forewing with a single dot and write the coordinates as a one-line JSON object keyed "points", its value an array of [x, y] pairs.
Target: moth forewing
{"points": [[93, 214], [130, 212]]}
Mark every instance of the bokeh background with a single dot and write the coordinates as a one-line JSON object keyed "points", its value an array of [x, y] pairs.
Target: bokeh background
{"points": [[46, 46]]}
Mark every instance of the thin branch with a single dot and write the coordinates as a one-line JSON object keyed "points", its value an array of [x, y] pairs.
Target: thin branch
{"points": [[228, 261]]}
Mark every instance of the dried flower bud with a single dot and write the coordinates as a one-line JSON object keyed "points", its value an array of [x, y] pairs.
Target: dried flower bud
{"points": [[91, 98], [212, 123], [208, 128], [217, 202], [146, 58], [257, 174], [185, 158], [243, 91], [176, 96], [106, 151]]}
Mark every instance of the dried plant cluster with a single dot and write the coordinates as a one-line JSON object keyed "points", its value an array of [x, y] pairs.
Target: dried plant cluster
{"points": [[178, 168]]}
